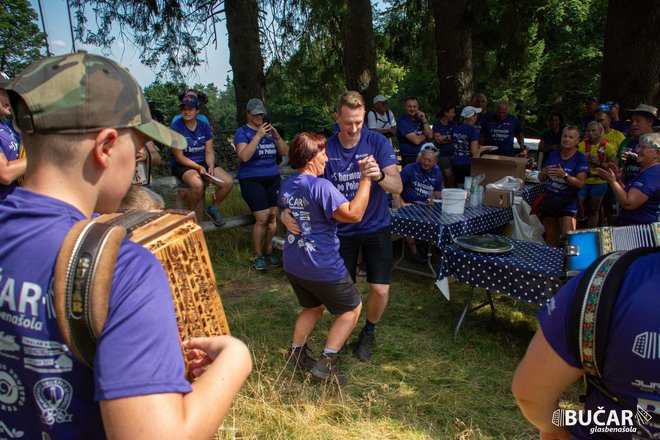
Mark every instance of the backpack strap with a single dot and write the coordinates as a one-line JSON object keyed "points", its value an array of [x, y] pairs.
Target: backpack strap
{"points": [[81, 286]]}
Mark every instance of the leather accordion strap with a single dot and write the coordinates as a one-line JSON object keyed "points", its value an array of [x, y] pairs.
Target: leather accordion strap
{"points": [[83, 277]]}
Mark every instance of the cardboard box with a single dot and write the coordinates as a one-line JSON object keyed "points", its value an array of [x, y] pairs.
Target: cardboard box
{"points": [[495, 167], [498, 198]]}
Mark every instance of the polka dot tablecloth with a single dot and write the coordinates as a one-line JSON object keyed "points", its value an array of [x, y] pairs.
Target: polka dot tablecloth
{"points": [[428, 223], [529, 272], [532, 191]]}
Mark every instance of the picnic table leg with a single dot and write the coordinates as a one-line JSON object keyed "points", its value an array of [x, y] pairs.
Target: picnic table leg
{"points": [[468, 301]]}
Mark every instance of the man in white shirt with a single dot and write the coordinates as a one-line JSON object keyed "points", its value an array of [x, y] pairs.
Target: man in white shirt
{"points": [[381, 119]]}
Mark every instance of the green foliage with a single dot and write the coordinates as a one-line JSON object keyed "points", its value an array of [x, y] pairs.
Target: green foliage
{"points": [[166, 97], [20, 36]]}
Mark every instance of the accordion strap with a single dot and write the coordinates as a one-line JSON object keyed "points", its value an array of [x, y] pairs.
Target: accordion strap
{"points": [[83, 277]]}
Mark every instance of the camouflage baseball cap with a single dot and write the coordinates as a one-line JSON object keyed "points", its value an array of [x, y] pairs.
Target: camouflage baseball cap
{"points": [[83, 93]]}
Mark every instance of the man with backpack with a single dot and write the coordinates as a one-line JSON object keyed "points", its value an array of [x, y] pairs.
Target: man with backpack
{"points": [[381, 119]]}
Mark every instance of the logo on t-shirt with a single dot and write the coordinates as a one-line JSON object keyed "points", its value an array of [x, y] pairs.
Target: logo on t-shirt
{"points": [[12, 391], [646, 345], [53, 396]]}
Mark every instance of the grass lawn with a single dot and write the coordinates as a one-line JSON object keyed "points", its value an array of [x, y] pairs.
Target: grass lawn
{"points": [[420, 384]]}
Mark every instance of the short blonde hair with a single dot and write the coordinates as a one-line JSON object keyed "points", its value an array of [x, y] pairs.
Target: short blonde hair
{"points": [[350, 99], [140, 197]]}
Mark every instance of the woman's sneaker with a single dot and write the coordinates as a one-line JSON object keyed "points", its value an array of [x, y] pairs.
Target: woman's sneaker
{"points": [[272, 259], [326, 369], [260, 263], [298, 359], [213, 213]]}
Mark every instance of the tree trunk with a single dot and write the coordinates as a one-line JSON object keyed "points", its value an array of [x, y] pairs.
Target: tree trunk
{"points": [[245, 53], [453, 38], [359, 53], [631, 56]]}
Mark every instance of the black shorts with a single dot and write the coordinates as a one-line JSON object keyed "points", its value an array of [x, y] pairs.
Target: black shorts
{"points": [[260, 193], [337, 296], [376, 250], [179, 170], [553, 208]]}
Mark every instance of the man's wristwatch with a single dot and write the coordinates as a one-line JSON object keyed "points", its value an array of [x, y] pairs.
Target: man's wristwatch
{"points": [[382, 176], [565, 176]]}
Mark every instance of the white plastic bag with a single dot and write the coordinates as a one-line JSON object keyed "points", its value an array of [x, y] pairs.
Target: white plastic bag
{"points": [[526, 227], [508, 183]]}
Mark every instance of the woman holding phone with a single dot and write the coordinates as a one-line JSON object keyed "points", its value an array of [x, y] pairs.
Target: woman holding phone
{"points": [[257, 145]]}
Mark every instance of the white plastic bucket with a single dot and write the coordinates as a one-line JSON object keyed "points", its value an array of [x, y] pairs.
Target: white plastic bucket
{"points": [[453, 200]]}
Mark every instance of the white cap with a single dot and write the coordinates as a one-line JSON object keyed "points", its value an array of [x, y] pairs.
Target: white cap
{"points": [[379, 98], [470, 111]]}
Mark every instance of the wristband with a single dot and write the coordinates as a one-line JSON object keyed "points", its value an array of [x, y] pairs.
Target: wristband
{"points": [[382, 176], [565, 176]]}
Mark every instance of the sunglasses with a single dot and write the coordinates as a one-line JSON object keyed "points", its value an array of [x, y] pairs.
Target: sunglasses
{"points": [[429, 148]]}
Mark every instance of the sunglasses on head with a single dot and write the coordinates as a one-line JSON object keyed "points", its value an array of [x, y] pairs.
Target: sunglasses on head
{"points": [[429, 148]]}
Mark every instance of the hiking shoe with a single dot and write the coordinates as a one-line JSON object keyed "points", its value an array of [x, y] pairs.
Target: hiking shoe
{"points": [[418, 259], [365, 345], [272, 259], [260, 263], [298, 359], [213, 213], [326, 369]]}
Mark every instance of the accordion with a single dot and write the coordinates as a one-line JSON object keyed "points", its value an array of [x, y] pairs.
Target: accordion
{"points": [[586, 245]]}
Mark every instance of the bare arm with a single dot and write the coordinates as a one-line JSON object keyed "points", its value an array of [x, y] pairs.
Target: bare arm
{"points": [[11, 170], [392, 181], [209, 154], [539, 381], [630, 200], [352, 212], [195, 415]]}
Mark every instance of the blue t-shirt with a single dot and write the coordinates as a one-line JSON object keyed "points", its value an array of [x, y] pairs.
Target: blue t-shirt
{"points": [[446, 149], [483, 117], [196, 150], [463, 136], [202, 118], [630, 164], [556, 188], [52, 395], [632, 360], [501, 134], [417, 184], [263, 162], [314, 254], [404, 126], [648, 182], [344, 173], [10, 142]]}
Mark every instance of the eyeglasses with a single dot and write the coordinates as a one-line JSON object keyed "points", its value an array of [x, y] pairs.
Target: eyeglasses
{"points": [[429, 148]]}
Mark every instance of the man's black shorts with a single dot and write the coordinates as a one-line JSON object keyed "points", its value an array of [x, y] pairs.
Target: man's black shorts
{"points": [[376, 250], [337, 296]]}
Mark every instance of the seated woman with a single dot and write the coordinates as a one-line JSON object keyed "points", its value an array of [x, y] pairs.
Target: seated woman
{"points": [[442, 131], [421, 180], [196, 163], [640, 198], [466, 144], [257, 146], [312, 262], [565, 173], [599, 152]]}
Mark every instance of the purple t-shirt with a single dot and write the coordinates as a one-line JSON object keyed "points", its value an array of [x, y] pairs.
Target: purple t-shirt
{"points": [[196, 150], [263, 162], [483, 117], [463, 136], [556, 188], [446, 149], [632, 360], [405, 126], [648, 182], [10, 142], [314, 254], [344, 173], [501, 134], [52, 395], [417, 184]]}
